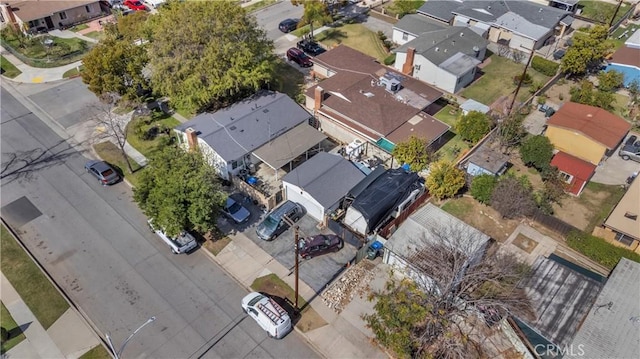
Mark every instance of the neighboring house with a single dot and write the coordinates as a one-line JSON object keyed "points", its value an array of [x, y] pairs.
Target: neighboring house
{"points": [[473, 105], [575, 172], [320, 183], [432, 225], [268, 127], [566, 5], [560, 294], [487, 161], [612, 326], [47, 15], [622, 227], [445, 58], [411, 26], [586, 132], [521, 25], [626, 60], [364, 100]]}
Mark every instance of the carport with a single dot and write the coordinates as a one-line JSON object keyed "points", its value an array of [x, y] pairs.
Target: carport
{"points": [[286, 147]]}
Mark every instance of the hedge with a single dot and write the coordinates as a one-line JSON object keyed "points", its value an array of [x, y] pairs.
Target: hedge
{"points": [[544, 66], [389, 60], [599, 250]]}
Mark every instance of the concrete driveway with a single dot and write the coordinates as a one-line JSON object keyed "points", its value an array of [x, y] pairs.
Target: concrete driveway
{"points": [[316, 272], [614, 170]]}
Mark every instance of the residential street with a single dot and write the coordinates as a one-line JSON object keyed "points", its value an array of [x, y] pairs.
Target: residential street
{"points": [[95, 243]]}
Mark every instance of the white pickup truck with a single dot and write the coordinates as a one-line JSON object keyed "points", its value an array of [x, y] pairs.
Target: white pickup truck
{"points": [[183, 243]]}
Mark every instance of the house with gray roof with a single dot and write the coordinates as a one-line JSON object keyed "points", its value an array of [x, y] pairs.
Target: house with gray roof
{"points": [[612, 326], [411, 26], [431, 225], [446, 58], [521, 25], [320, 183], [267, 127], [486, 161]]}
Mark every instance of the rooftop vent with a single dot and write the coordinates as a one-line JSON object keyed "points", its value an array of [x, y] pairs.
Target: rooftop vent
{"points": [[437, 49], [391, 82], [462, 34]]}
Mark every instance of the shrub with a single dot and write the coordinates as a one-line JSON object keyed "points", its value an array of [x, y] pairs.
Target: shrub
{"points": [[482, 188], [599, 250], [542, 99], [389, 60], [527, 79], [537, 151], [544, 66]]}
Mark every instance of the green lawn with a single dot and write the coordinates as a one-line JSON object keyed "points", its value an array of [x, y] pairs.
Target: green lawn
{"points": [[42, 298], [73, 72], [8, 69], [620, 104], [630, 29], [79, 27], [601, 11], [148, 147], [110, 153], [605, 206], [455, 146], [7, 322], [356, 36], [447, 116], [288, 81], [61, 52], [497, 81], [98, 352], [260, 5], [392, 9], [457, 208], [98, 35]]}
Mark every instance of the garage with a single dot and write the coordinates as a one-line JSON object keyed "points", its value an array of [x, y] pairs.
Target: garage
{"points": [[320, 183]]}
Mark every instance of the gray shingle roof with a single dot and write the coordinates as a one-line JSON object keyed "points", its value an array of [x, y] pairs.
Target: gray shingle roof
{"points": [[327, 177], [440, 9], [441, 45], [612, 327], [489, 159], [246, 125], [417, 24]]}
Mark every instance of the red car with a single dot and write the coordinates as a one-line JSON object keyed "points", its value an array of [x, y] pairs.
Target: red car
{"points": [[319, 244], [134, 5]]}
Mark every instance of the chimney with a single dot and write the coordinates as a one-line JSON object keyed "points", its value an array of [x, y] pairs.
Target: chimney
{"points": [[8, 14], [192, 139], [319, 96], [407, 67]]}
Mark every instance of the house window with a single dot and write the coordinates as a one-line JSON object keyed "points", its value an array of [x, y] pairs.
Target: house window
{"points": [[405, 36], [1, 17], [63, 15], [624, 239], [416, 67], [234, 165], [34, 23], [86, 7], [566, 177]]}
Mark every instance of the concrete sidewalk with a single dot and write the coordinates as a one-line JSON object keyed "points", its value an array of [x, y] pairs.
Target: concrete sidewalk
{"points": [[69, 337], [35, 74], [345, 335]]}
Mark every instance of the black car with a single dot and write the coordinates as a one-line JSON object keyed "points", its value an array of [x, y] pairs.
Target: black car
{"points": [[319, 244], [288, 25], [631, 140], [310, 47], [559, 54]]}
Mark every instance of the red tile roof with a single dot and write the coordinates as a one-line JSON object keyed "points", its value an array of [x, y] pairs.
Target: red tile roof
{"points": [[593, 122], [580, 170]]}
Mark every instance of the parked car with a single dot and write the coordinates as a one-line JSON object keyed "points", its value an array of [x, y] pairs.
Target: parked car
{"points": [[310, 47], [269, 315], [235, 211], [134, 5], [288, 25], [102, 171], [631, 140], [299, 57], [274, 224], [558, 54], [319, 244], [630, 152], [184, 242]]}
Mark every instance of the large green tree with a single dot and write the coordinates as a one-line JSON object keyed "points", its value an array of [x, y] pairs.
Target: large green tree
{"points": [[315, 11], [586, 93], [206, 54], [610, 81], [115, 66], [414, 152], [482, 187], [473, 126], [588, 50], [179, 190], [537, 151], [445, 179]]}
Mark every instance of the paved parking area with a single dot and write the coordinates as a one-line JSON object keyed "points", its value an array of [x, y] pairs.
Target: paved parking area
{"points": [[614, 170], [316, 272]]}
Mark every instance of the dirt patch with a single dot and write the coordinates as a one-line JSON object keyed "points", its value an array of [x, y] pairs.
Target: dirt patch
{"points": [[525, 243], [310, 320], [215, 246], [583, 212], [482, 217], [519, 168], [559, 93]]}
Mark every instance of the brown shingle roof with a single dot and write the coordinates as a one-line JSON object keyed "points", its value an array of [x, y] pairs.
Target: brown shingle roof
{"points": [[37, 9], [593, 122], [627, 56], [423, 126]]}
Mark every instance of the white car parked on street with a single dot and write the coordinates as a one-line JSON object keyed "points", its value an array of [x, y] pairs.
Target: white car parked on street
{"points": [[183, 243]]}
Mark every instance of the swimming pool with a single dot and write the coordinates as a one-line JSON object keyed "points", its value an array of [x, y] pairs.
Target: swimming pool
{"points": [[630, 73]]}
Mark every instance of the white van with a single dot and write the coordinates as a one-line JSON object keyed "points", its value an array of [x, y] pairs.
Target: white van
{"points": [[183, 243], [269, 314]]}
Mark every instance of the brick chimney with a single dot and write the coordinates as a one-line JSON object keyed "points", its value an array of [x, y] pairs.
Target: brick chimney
{"points": [[319, 96], [407, 68], [192, 139], [7, 13]]}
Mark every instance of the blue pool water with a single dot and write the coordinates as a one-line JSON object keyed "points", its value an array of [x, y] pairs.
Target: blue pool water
{"points": [[630, 73]]}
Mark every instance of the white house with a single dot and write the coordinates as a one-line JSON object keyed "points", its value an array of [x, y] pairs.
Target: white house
{"points": [[320, 183], [411, 26]]}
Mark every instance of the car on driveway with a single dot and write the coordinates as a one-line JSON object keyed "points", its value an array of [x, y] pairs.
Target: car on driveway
{"points": [[274, 224], [299, 57], [102, 171], [288, 25], [135, 5], [235, 211], [630, 150], [310, 47], [184, 242], [319, 244], [559, 54]]}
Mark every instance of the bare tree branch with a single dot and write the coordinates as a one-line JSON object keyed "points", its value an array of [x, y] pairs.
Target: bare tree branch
{"points": [[111, 126]]}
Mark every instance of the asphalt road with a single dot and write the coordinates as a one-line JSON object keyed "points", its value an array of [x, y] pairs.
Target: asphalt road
{"points": [[270, 17], [95, 243]]}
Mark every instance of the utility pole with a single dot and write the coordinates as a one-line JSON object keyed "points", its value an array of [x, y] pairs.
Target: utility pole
{"points": [[297, 265], [524, 73], [615, 13]]}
